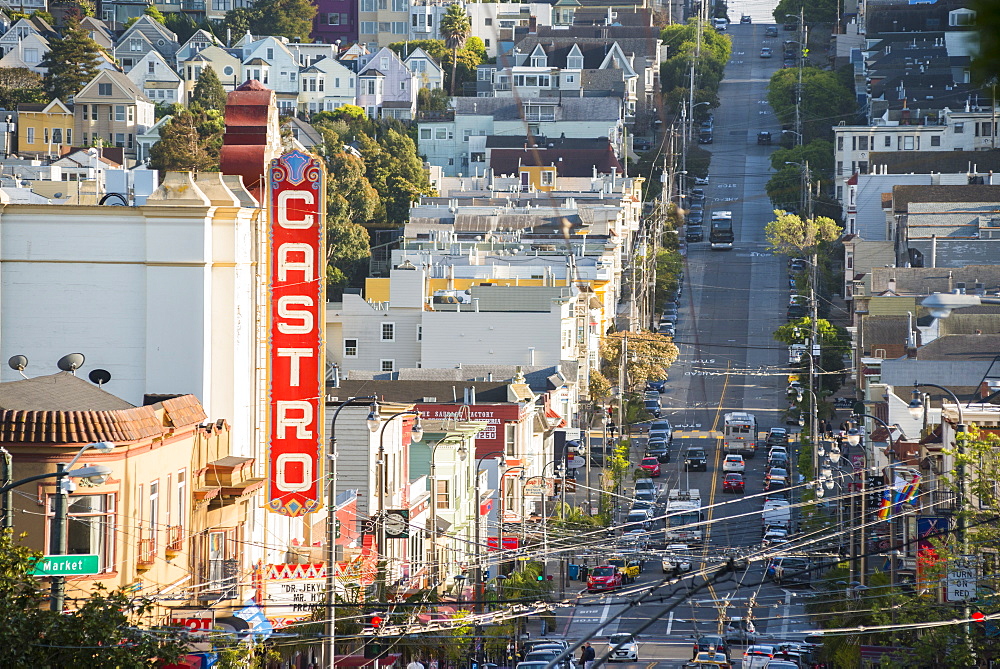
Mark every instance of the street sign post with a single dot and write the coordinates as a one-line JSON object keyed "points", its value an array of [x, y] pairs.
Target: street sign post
{"points": [[962, 579], [68, 565]]}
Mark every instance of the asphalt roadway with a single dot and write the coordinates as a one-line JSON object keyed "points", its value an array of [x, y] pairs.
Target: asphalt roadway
{"points": [[732, 303]]}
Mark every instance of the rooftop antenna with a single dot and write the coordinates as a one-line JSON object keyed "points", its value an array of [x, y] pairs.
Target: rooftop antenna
{"points": [[18, 363], [99, 376], [71, 362]]}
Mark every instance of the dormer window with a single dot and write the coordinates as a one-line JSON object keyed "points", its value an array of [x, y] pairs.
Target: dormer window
{"points": [[574, 62], [539, 61]]}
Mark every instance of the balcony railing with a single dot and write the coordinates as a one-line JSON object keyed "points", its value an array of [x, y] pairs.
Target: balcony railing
{"points": [[147, 553], [192, 5], [175, 539]]}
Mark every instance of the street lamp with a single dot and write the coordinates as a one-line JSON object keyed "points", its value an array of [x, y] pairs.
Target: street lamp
{"points": [[94, 473], [941, 304], [461, 452], [477, 542], [331, 520], [416, 434], [945, 303]]}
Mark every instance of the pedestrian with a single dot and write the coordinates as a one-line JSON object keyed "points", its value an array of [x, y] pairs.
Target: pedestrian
{"points": [[588, 656], [415, 663]]}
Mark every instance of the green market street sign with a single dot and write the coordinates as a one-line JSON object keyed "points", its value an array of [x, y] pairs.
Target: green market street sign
{"points": [[67, 565]]}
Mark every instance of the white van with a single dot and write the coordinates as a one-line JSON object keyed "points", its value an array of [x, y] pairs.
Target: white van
{"points": [[720, 24]]}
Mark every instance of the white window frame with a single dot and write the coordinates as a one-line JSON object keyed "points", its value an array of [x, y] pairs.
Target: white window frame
{"points": [[383, 367], [391, 327], [348, 347]]}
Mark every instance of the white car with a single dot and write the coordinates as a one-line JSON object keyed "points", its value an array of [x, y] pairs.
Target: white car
{"points": [[777, 450], [677, 556], [734, 463], [701, 181], [627, 652]]}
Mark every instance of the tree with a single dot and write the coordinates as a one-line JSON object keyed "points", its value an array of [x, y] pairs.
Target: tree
{"points": [[823, 100], [456, 28], [208, 92], [71, 62], [816, 11], [102, 632], [432, 99], [241, 20], [286, 18], [986, 64], [649, 356], [181, 147], [791, 235], [19, 85]]}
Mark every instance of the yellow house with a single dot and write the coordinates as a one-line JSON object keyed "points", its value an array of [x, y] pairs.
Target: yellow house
{"points": [[170, 517], [44, 130]]}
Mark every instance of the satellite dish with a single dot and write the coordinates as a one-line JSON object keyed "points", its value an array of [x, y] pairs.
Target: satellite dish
{"points": [[99, 376], [71, 362], [18, 363], [57, 195]]}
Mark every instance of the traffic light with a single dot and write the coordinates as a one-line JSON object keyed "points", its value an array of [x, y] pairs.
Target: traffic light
{"points": [[374, 649], [376, 621]]}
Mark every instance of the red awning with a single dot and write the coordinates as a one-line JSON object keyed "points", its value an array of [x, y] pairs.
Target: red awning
{"points": [[362, 661]]}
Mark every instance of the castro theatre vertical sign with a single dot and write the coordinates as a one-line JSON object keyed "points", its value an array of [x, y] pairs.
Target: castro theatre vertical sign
{"points": [[297, 273]]}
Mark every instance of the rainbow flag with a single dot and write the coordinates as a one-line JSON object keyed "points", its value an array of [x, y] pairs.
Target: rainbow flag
{"points": [[886, 506], [908, 493]]}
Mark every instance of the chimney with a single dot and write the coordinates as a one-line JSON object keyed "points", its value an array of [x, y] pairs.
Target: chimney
{"points": [[892, 284]]}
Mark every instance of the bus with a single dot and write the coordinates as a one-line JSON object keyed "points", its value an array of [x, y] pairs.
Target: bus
{"points": [[721, 235], [739, 433], [685, 517]]}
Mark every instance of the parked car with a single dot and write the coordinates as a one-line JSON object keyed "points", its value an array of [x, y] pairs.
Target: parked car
{"points": [[546, 656], [605, 577], [647, 484], [734, 463], [622, 648], [661, 428], [658, 450], [658, 386], [701, 181], [710, 643], [695, 459], [697, 194], [774, 537], [771, 31], [652, 406], [777, 460], [734, 483], [746, 19], [638, 519], [777, 436], [694, 233], [705, 137], [777, 450], [651, 465], [775, 478]]}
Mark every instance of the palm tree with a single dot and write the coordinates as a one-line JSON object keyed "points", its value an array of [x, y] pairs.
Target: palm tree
{"points": [[456, 28]]}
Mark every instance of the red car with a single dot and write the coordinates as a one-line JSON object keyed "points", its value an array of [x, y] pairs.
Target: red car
{"points": [[651, 465], [605, 577], [733, 483]]}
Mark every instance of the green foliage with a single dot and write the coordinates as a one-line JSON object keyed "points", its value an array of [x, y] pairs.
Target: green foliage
{"points": [[456, 28], [190, 141], [649, 356], [825, 100], [816, 11], [460, 63], [286, 18], [102, 632], [19, 85], [152, 12], [208, 92], [669, 264], [682, 44], [71, 62], [792, 235], [432, 99], [986, 64], [282, 18], [600, 387]]}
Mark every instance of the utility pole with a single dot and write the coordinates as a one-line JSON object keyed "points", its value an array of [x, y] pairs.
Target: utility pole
{"points": [[798, 88]]}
